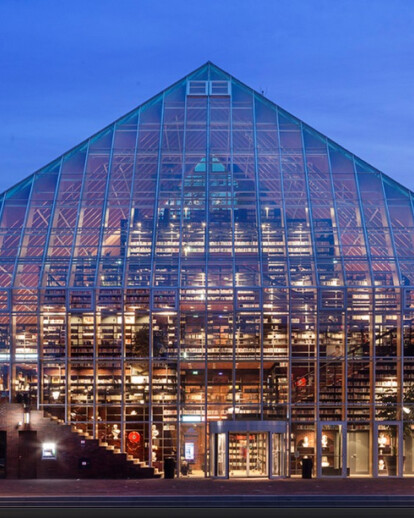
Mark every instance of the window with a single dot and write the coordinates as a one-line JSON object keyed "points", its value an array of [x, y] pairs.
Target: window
{"points": [[208, 88], [197, 87], [219, 87]]}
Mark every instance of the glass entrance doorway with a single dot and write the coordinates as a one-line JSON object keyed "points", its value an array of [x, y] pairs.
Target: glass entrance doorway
{"points": [[248, 449], [248, 454]]}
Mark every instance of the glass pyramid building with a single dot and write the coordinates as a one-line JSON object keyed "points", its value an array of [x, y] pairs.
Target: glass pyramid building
{"points": [[210, 278]]}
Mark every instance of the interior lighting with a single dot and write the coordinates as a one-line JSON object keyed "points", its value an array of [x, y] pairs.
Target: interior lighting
{"points": [[56, 394], [138, 380]]}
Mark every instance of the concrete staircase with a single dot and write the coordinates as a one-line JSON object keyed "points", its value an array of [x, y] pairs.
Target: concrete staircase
{"points": [[119, 465]]}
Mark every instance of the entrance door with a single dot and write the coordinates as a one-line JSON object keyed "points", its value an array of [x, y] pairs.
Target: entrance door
{"points": [[358, 452], [248, 454], [28, 454], [278, 455], [220, 455]]}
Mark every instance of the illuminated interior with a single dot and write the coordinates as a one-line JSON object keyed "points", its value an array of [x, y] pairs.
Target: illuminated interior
{"points": [[209, 257]]}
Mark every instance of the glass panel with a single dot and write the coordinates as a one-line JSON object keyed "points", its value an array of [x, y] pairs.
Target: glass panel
{"points": [[303, 446], [238, 448], [221, 450], [387, 445], [331, 450], [278, 455], [258, 447]]}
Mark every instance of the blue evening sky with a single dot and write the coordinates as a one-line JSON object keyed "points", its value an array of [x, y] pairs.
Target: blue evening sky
{"points": [[69, 68]]}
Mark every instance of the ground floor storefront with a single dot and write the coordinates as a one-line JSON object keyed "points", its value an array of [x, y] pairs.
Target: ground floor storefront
{"points": [[278, 449], [44, 447]]}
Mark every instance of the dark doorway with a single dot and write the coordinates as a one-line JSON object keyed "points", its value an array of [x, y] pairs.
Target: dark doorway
{"points": [[3, 450], [28, 454]]}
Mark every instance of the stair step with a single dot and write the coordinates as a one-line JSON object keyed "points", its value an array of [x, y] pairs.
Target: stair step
{"points": [[137, 468]]}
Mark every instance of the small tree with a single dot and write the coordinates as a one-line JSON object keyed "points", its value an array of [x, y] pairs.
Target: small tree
{"points": [[389, 409]]}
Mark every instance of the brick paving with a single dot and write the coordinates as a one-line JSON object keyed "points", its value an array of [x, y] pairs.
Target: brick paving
{"points": [[193, 487]]}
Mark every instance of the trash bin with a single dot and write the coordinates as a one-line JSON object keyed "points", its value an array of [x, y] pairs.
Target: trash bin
{"points": [[307, 465], [169, 467]]}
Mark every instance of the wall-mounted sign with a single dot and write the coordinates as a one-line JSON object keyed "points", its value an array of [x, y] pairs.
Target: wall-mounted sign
{"points": [[189, 451]]}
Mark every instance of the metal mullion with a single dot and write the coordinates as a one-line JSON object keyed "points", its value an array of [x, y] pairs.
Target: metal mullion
{"points": [[206, 248], [123, 292], [373, 354], [289, 328], [76, 228], [363, 226], [13, 361], [399, 359], [97, 268], [104, 206], [400, 328], [235, 291], [9, 299], [391, 228], [68, 327], [312, 233], [42, 288], [178, 316], [260, 247], [153, 244], [345, 285]]}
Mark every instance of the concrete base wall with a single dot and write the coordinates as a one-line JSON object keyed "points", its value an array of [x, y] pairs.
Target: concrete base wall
{"points": [[71, 449]]}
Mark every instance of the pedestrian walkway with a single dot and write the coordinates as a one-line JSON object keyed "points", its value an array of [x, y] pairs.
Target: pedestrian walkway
{"points": [[361, 492]]}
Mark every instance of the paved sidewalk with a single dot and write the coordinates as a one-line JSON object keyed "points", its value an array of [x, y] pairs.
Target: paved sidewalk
{"points": [[193, 487], [204, 493]]}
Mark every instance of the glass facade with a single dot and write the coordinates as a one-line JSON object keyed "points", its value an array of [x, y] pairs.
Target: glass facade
{"points": [[209, 258]]}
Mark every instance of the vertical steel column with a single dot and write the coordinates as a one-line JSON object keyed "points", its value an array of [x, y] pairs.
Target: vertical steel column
{"points": [[288, 288], [233, 263], [345, 312], [207, 457], [41, 288], [153, 245], [68, 366], [179, 288], [13, 361], [124, 285], [260, 250]]}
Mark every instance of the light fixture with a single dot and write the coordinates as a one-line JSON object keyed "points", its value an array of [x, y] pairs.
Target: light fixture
{"points": [[49, 450], [26, 417], [56, 394], [138, 380], [406, 410]]}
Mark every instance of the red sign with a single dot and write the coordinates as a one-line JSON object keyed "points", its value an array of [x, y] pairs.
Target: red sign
{"points": [[301, 382], [134, 437]]}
